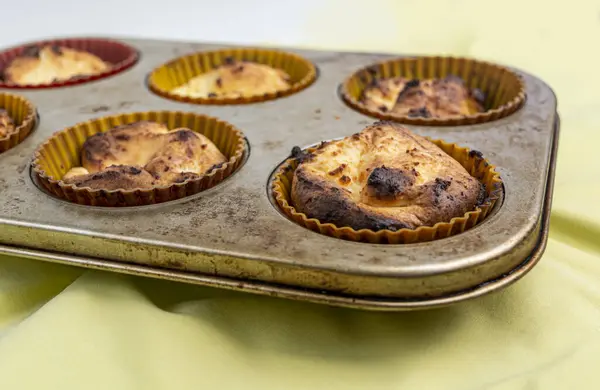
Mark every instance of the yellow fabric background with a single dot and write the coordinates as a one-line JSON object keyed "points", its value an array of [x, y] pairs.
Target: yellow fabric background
{"points": [[65, 328]]}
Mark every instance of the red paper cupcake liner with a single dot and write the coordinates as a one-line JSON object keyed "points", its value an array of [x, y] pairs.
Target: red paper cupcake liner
{"points": [[118, 54]]}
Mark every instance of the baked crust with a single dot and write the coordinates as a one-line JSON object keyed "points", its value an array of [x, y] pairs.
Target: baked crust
{"points": [[384, 177], [431, 98], [51, 63], [7, 125], [143, 155], [235, 79]]}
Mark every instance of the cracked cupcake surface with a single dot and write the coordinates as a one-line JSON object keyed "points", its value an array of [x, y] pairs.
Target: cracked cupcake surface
{"points": [[7, 125], [384, 177], [143, 155], [235, 79], [429, 98], [51, 63]]}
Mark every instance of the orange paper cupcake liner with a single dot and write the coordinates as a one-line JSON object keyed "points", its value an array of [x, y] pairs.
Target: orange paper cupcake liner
{"points": [[118, 54], [23, 114], [472, 161], [504, 90], [175, 73], [62, 151]]}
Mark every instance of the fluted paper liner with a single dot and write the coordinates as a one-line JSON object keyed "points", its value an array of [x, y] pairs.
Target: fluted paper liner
{"points": [[504, 90], [62, 152], [23, 114], [120, 55], [472, 161], [177, 72]]}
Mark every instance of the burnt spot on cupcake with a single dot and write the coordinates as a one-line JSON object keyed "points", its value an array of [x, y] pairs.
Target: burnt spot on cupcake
{"points": [[421, 112], [392, 226], [238, 69], [212, 95], [203, 146], [482, 194], [219, 82], [388, 183], [166, 169], [440, 185], [337, 170], [134, 170], [56, 50], [300, 155], [345, 180], [478, 95], [322, 145], [229, 60], [382, 123], [189, 152], [180, 179], [373, 70], [31, 51], [97, 147], [412, 83], [383, 108], [475, 154], [122, 137], [216, 166], [184, 135]]}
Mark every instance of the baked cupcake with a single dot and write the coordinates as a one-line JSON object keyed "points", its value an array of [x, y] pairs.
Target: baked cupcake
{"points": [[18, 117], [48, 64], [435, 91], [428, 98], [232, 76], [138, 158], [143, 155], [384, 177], [236, 79], [7, 125], [386, 185]]}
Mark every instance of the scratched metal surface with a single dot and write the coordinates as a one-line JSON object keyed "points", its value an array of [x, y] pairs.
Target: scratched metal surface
{"points": [[215, 231]]}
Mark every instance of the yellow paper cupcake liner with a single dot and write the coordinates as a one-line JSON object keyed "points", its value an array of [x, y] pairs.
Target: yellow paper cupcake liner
{"points": [[504, 90], [472, 161], [62, 151], [23, 114], [177, 72]]}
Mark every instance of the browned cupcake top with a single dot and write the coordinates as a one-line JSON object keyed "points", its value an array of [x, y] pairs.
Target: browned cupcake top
{"points": [[143, 155], [384, 177], [50, 63], [7, 126], [431, 98], [236, 79]]}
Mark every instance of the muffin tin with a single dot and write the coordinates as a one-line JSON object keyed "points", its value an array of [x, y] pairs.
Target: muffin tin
{"points": [[234, 236]]}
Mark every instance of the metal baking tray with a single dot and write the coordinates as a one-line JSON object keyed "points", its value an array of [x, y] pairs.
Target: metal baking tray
{"points": [[233, 236]]}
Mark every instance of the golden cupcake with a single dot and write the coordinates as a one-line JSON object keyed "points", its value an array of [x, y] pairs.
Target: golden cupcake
{"points": [[143, 155], [47, 64], [7, 125], [427, 98], [236, 79], [383, 178]]}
